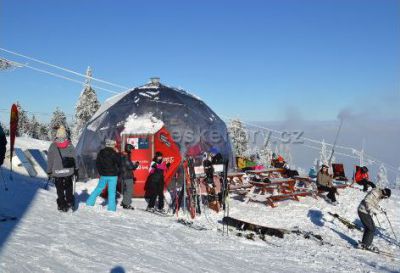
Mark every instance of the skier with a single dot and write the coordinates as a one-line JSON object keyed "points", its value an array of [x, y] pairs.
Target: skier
{"points": [[3, 145], [127, 169], [362, 178], [208, 170], [108, 165], [367, 208], [62, 167], [324, 183], [277, 161], [155, 183]]}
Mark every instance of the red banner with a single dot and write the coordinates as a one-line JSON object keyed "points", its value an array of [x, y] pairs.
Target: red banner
{"points": [[13, 129]]}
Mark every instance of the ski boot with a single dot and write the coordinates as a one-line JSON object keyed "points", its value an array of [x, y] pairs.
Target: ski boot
{"points": [[129, 207]]}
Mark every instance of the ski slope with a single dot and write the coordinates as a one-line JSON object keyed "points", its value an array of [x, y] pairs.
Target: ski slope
{"points": [[95, 240]]}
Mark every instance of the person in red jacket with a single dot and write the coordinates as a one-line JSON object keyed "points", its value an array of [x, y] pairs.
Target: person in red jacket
{"points": [[362, 178]]}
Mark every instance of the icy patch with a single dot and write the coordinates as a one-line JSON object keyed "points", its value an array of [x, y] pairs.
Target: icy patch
{"points": [[146, 124]]}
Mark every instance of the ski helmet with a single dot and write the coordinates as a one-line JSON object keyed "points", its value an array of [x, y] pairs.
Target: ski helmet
{"points": [[364, 169]]}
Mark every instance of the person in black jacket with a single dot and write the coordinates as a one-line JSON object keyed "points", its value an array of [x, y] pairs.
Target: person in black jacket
{"points": [[3, 144], [155, 183], [127, 169], [108, 165]]}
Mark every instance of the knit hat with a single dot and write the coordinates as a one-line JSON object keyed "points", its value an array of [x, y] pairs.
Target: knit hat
{"points": [[110, 143], [158, 154], [129, 147], [61, 132], [387, 192]]}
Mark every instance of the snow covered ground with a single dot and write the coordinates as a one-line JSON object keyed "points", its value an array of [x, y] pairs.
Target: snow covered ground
{"points": [[95, 240]]}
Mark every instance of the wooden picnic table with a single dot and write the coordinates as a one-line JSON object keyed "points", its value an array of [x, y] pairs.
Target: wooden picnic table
{"points": [[268, 170]]}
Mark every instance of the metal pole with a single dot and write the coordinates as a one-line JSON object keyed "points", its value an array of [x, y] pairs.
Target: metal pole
{"points": [[336, 138]]}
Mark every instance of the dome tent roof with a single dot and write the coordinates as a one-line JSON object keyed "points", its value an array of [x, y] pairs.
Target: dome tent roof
{"points": [[193, 125]]}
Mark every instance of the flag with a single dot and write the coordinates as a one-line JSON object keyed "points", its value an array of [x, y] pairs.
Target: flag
{"points": [[13, 129]]}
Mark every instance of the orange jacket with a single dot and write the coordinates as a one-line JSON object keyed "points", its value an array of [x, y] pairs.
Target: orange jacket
{"points": [[360, 176]]}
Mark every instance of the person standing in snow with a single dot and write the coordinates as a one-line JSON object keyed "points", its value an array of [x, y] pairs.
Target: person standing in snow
{"points": [[3, 146], [62, 167], [127, 169], [108, 165], [367, 208], [362, 178], [324, 183], [155, 182]]}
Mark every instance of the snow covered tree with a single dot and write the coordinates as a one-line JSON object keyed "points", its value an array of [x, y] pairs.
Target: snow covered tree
{"points": [[265, 154], [34, 128], [325, 154], [57, 120], [397, 182], [87, 105], [23, 121], [382, 179], [238, 136]]}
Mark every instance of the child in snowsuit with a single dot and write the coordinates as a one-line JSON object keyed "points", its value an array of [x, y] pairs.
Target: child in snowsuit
{"points": [[324, 183], [127, 169], [367, 208], [108, 165], [62, 167], [155, 183], [362, 178]]}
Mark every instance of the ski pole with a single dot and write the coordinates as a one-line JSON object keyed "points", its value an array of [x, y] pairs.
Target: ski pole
{"points": [[4, 181], [379, 224], [390, 224]]}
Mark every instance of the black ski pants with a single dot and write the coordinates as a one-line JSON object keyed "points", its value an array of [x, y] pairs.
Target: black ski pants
{"points": [[331, 192], [365, 183], [369, 228], [65, 197]]}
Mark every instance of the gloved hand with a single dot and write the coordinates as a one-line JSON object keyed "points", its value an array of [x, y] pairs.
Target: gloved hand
{"points": [[168, 165]]}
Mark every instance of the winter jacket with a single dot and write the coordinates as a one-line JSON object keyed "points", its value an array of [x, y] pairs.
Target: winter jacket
{"points": [[370, 203], [324, 179], [155, 180], [361, 176], [127, 168], [108, 162], [3, 143], [55, 166]]}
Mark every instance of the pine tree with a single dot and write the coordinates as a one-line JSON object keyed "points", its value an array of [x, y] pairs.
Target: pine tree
{"points": [[324, 155], [382, 178], [34, 128], [238, 136], [23, 121], [397, 182], [265, 154], [87, 105], [57, 120]]}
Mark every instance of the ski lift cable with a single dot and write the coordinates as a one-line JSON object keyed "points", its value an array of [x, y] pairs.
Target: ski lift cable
{"points": [[62, 68], [305, 138], [64, 77]]}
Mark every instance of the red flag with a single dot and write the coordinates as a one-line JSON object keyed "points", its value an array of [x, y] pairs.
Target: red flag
{"points": [[13, 129]]}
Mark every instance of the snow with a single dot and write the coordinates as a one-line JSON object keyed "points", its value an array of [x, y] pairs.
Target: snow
{"points": [[95, 240], [146, 124]]}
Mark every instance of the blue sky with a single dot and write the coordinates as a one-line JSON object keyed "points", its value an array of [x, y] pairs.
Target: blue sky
{"points": [[257, 60]]}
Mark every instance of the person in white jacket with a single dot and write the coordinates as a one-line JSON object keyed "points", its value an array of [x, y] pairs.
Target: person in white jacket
{"points": [[368, 207]]}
